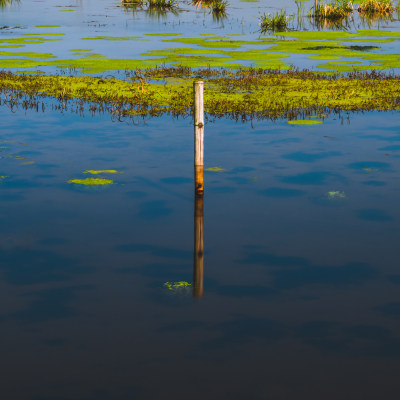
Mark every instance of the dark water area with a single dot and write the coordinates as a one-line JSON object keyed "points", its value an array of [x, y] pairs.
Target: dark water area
{"points": [[301, 280]]}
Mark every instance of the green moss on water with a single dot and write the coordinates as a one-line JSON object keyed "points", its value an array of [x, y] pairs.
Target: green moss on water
{"points": [[44, 34], [101, 171], [223, 51], [243, 92], [9, 46], [32, 55], [336, 194], [178, 288], [92, 181], [215, 169], [211, 43], [304, 122], [163, 34], [114, 38]]}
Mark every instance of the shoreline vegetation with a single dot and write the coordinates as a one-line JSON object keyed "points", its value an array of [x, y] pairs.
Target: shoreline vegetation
{"points": [[238, 94]]}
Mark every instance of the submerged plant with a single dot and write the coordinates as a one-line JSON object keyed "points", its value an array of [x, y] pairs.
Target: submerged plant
{"points": [[274, 22]]}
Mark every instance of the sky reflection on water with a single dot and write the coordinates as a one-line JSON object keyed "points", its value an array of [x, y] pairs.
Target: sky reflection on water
{"points": [[300, 288]]}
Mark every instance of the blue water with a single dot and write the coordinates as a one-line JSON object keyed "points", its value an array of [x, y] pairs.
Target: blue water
{"points": [[301, 231], [300, 287]]}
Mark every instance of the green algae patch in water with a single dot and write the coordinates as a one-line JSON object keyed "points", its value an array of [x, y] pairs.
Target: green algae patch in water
{"points": [[32, 55], [304, 122], [248, 92], [44, 34], [47, 26], [178, 288], [163, 34], [335, 195], [92, 181], [215, 169], [114, 38], [101, 171]]}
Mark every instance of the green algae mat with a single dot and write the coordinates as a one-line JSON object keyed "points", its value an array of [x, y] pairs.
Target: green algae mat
{"points": [[331, 50], [239, 94]]}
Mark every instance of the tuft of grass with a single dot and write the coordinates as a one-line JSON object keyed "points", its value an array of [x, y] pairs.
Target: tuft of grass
{"points": [[218, 6], [161, 4], [337, 10], [275, 22], [371, 7]]}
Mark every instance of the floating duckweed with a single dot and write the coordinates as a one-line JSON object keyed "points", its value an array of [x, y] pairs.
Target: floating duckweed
{"points": [[163, 34], [304, 122], [336, 194], [92, 181], [114, 38], [216, 169], [181, 287], [44, 34], [102, 171]]}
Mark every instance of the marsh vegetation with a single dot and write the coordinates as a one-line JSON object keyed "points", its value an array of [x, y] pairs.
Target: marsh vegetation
{"points": [[277, 22]]}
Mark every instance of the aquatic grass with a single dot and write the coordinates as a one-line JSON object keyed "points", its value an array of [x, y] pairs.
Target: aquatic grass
{"points": [[337, 10], [218, 6], [274, 22], [165, 4], [370, 7]]}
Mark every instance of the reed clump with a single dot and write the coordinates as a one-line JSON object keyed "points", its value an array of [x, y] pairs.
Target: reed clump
{"points": [[371, 7], [218, 6], [161, 4], [337, 10], [275, 22]]}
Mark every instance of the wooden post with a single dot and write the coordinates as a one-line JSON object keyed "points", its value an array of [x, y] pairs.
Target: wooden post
{"points": [[198, 253], [198, 136]]}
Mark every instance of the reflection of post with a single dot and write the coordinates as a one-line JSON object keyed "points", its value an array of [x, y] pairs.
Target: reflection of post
{"points": [[198, 256]]}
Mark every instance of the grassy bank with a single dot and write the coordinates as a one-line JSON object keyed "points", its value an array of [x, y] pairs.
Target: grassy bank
{"points": [[239, 94]]}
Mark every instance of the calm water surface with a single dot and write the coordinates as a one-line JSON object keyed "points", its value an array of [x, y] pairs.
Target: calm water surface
{"points": [[301, 288], [301, 232]]}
